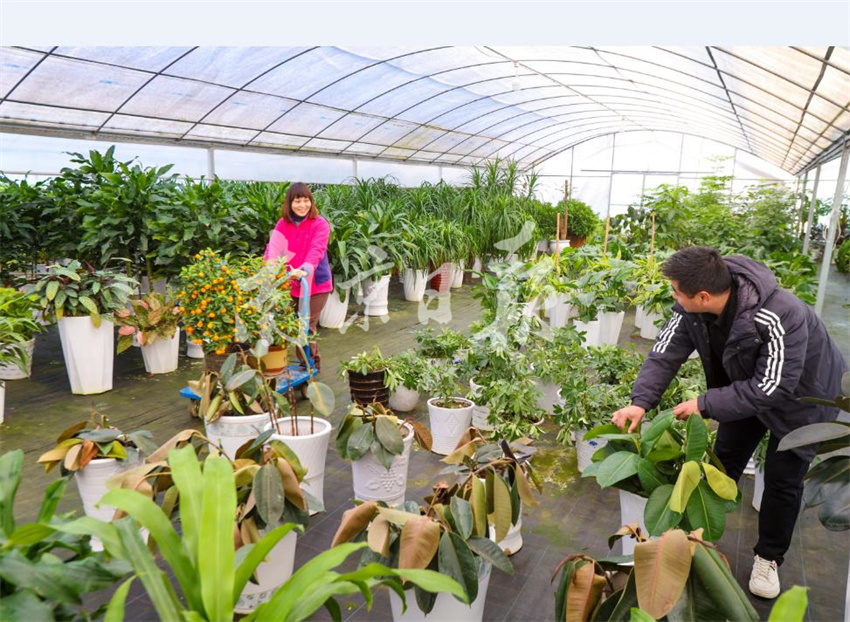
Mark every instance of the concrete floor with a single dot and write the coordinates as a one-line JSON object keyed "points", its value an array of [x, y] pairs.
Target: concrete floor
{"points": [[573, 516]]}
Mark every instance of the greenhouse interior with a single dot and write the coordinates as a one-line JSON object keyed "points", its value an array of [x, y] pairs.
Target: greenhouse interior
{"points": [[424, 333]]}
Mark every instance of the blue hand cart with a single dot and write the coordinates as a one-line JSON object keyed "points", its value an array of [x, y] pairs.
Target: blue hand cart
{"points": [[295, 374]]}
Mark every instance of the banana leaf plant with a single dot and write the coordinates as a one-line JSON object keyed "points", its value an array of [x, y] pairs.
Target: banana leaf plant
{"points": [[678, 576], [210, 572], [680, 476], [375, 429]]}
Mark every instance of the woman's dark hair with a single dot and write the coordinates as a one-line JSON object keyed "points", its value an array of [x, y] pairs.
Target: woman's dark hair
{"points": [[297, 190], [698, 269]]}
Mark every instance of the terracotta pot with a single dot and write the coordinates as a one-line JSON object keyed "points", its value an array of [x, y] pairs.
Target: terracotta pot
{"points": [[368, 388], [575, 241], [441, 281]]}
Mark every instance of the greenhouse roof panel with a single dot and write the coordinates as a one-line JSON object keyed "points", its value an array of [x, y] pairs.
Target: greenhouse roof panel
{"points": [[788, 105]]}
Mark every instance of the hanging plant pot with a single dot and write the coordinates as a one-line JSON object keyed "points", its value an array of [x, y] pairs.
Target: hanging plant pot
{"points": [[373, 482], [13, 372], [441, 281], [194, 350], [586, 449], [610, 325], [368, 388], [311, 447], [632, 508], [592, 332], [276, 360], [648, 329], [89, 354], [335, 310], [272, 572], [375, 295], [758, 490], [448, 424], [457, 274], [162, 356], [446, 606], [415, 282], [404, 400], [233, 431], [91, 482]]}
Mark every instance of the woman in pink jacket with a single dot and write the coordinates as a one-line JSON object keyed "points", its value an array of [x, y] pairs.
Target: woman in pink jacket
{"points": [[301, 236]]}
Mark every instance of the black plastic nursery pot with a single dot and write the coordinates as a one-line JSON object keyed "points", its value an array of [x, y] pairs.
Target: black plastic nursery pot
{"points": [[368, 388]]}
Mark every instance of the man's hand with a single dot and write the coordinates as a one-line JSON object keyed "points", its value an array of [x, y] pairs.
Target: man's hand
{"points": [[686, 409], [632, 414]]}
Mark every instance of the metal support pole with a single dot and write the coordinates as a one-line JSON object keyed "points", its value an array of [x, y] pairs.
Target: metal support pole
{"points": [[802, 199], [211, 163], [833, 225], [611, 177], [812, 205], [355, 168]]}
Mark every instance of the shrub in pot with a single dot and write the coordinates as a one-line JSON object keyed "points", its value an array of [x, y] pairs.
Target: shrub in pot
{"points": [[378, 444], [445, 346], [17, 333], [154, 322], [409, 366], [449, 414], [554, 359], [82, 300], [371, 377], [653, 297], [581, 221]]}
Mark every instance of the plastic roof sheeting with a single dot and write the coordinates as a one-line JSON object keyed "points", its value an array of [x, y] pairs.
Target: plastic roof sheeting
{"points": [[448, 105]]}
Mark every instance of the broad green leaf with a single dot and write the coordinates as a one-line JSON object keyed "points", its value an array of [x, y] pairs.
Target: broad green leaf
{"points": [[712, 572], [650, 477], [10, 479], [697, 438], [478, 498], [790, 606], [240, 378], [835, 512], [720, 483], [186, 473], [813, 433], [707, 511], [658, 517], [52, 495], [659, 424], [502, 510], [89, 305], [259, 551], [30, 533], [48, 580], [52, 288], [432, 581], [389, 435], [662, 568], [268, 491], [608, 428], [489, 551], [360, 441], [617, 467], [825, 480], [639, 615], [321, 396], [687, 481], [462, 513], [115, 610], [456, 561], [216, 555], [24, 605]]}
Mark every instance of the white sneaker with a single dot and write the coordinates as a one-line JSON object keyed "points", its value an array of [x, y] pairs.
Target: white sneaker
{"points": [[764, 580]]}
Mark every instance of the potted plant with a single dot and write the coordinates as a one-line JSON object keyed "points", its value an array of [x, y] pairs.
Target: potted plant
{"points": [[382, 224], [653, 298], [94, 451], [441, 348], [82, 300], [449, 414], [581, 221], [17, 333], [154, 321], [378, 445], [371, 377], [409, 366], [450, 538], [659, 473], [553, 359], [417, 257], [759, 458]]}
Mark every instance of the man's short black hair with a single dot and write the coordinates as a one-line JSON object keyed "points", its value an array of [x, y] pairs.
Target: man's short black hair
{"points": [[698, 269]]}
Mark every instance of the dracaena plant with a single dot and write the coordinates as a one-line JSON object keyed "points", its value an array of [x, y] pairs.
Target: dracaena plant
{"points": [[77, 291], [88, 440], [684, 482], [376, 430], [153, 317]]}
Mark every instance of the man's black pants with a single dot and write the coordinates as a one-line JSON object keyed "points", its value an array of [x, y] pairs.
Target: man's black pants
{"points": [[783, 482]]}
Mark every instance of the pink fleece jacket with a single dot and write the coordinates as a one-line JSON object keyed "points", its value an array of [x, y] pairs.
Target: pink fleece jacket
{"points": [[305, 248]]}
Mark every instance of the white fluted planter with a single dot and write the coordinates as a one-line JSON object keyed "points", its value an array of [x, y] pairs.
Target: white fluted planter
{"points": [[448, 425], [91, 482], [480, 414], [758, 490], [233, 431], [375, 295], [446, 607], [12, 371], [373, 482], [272, 572], [403, 400], [457, 274], [610, 324], [632, 508], [415, 282], [89, 354], [592, 330], [586, 449], [560, 311], [162, 356], [194, 350], [311, 449], [335, 310]]}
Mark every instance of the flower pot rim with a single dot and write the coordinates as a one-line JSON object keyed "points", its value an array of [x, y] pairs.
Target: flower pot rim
{"points": [[238, 418], [284, 420], [469, 403]]}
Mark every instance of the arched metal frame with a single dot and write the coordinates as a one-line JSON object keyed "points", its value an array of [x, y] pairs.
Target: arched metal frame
{"points": [[611, 89]]}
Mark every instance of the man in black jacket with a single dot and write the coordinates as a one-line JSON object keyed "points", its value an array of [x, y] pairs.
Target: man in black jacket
{"points": [[762, 349]]}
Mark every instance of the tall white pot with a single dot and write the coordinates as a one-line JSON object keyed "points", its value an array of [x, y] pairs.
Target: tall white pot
{"points": [[758, 490], [548, 395], [586, 449], [640, 317], [272, 572], [231, 432], [415, 282], [560, 311], [89, 353], [91, 482], [512, 542], [404, 400], [592, 330], [479, 413], [477, 266], [335, 309], [648, 329], [448, 425], [457, 274], [162, 355], [375, 295], [11, 371], [631, 511], [373, 482], [311, 449], [610, 325], [446, 607]]}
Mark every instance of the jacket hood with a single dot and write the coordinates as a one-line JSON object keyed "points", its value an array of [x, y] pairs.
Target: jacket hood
{"points": [[759, 276]]}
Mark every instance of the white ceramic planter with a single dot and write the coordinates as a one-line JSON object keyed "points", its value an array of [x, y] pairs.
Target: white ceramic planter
{"points": [[162, 355], [91, 482], [479, 413], [758, 491], [631, 511], [13, 372], [375, 295], [640, 317], [231, 432], [415, 282], [194, 350], [592, 332], [335, 310], [446, 607], [89, 353], [556, 246], [548, 395], [457, 274], [448, 425], [610, 325], [477, 266], [311, 449], [512, 541], [273, 572], [373, 482], [560, 311], [648, 328], [404, 400], [586, 449]]}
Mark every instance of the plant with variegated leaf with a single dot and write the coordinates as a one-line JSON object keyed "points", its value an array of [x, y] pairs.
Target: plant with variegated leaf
{"points": [[88, 440], [376, 430], [684, 482], [153, 317], [678, 575]]}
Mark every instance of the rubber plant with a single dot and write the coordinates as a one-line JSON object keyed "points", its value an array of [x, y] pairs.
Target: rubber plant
{"points": [[376, 430]]}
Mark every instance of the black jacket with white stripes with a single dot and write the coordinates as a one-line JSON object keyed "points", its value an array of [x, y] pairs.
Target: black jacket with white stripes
{"points": [[778, 351]]}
